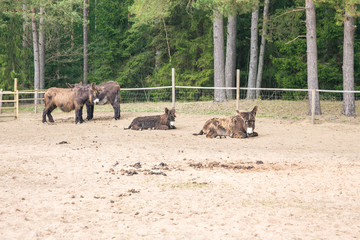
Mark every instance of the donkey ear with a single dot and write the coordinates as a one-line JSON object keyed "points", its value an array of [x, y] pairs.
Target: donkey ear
{"points": [[243, 114], [70, 85], [238, 112], [254, 110], [93, 86], [166, 110]]}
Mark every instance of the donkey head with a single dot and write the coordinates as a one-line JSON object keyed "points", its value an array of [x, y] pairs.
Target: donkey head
{"points": [[93, 94], [249, 120], [92, 89], [170, 117]]}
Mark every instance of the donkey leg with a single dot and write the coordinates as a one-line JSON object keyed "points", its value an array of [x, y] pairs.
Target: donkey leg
{"points": [[239, 135], [44, 115], [46, 109], [50, 109], [116, 112], [80, 116], [162, 127], [254, 134], [116, 105], [211, 134], [135, 127], [89, 111], [77, 115]]}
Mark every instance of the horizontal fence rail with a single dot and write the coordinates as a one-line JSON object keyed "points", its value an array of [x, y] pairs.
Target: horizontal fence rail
{"points": [[145, 88], [164, 93]]}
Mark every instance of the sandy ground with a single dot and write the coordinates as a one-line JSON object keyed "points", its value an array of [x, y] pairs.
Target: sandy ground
{"points": [[99, 181]]}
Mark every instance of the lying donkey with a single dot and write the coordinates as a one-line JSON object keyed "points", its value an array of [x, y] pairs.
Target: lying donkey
{"points": [[108, 92], [163, 122], [69, 99], [239, 126]]}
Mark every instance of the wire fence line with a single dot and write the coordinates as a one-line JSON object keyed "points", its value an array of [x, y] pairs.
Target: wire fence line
{"points": [[193, 93], [241, 88], [179, 93]]}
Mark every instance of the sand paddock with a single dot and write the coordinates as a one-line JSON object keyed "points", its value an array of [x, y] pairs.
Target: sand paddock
{"points": [[99, 181]]}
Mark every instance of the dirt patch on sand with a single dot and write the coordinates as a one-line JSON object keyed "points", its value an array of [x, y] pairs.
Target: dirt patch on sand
{"points": [[99, 181]]}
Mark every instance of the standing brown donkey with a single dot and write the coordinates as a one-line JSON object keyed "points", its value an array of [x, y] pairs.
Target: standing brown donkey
{"points": [[69, 99], [108, 92]]}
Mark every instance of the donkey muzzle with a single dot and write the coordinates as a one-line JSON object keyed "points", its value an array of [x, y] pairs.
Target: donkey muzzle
{"points": [[96, 101], [249, 130]]}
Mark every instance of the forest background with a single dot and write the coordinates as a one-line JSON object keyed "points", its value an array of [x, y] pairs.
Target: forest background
{"points": [[137, 42]]}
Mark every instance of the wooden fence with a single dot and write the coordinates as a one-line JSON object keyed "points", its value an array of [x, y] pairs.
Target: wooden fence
{"points": [[36, 92], [36, 99], [15, 101]]}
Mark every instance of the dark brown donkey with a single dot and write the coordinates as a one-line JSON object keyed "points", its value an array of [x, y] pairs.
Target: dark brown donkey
{"points": [[108, 92], [163, 122], [69, 99], [239, 126]]}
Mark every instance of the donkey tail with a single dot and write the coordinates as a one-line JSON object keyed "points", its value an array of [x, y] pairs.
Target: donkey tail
{"points": [[200, 133]]}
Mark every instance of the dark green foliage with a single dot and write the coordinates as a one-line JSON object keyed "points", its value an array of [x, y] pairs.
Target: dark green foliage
{"points": [[140, 51], [107, 50], [357, 55], [288, 35], [14, 63], [127, 54]]}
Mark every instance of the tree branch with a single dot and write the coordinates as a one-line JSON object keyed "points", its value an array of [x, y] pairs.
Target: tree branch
{"points": [[299, 9], [296, 38], [167, 40]]}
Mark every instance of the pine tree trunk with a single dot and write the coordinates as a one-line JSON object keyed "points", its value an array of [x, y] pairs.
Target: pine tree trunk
{"points": [[312, 69], [262, 47], [36, 53], [72, 27], [25, 39], [251, 94], [85, 32], [219, 74], [95, 4], [42, 51], [158, 54], [230, 63], [348, 66]]}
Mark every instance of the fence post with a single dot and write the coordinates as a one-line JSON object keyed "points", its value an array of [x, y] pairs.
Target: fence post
{"points": [[0, 99], [173, 86], [313, 93], [36, 97], [237, 88], [16, 96]]}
